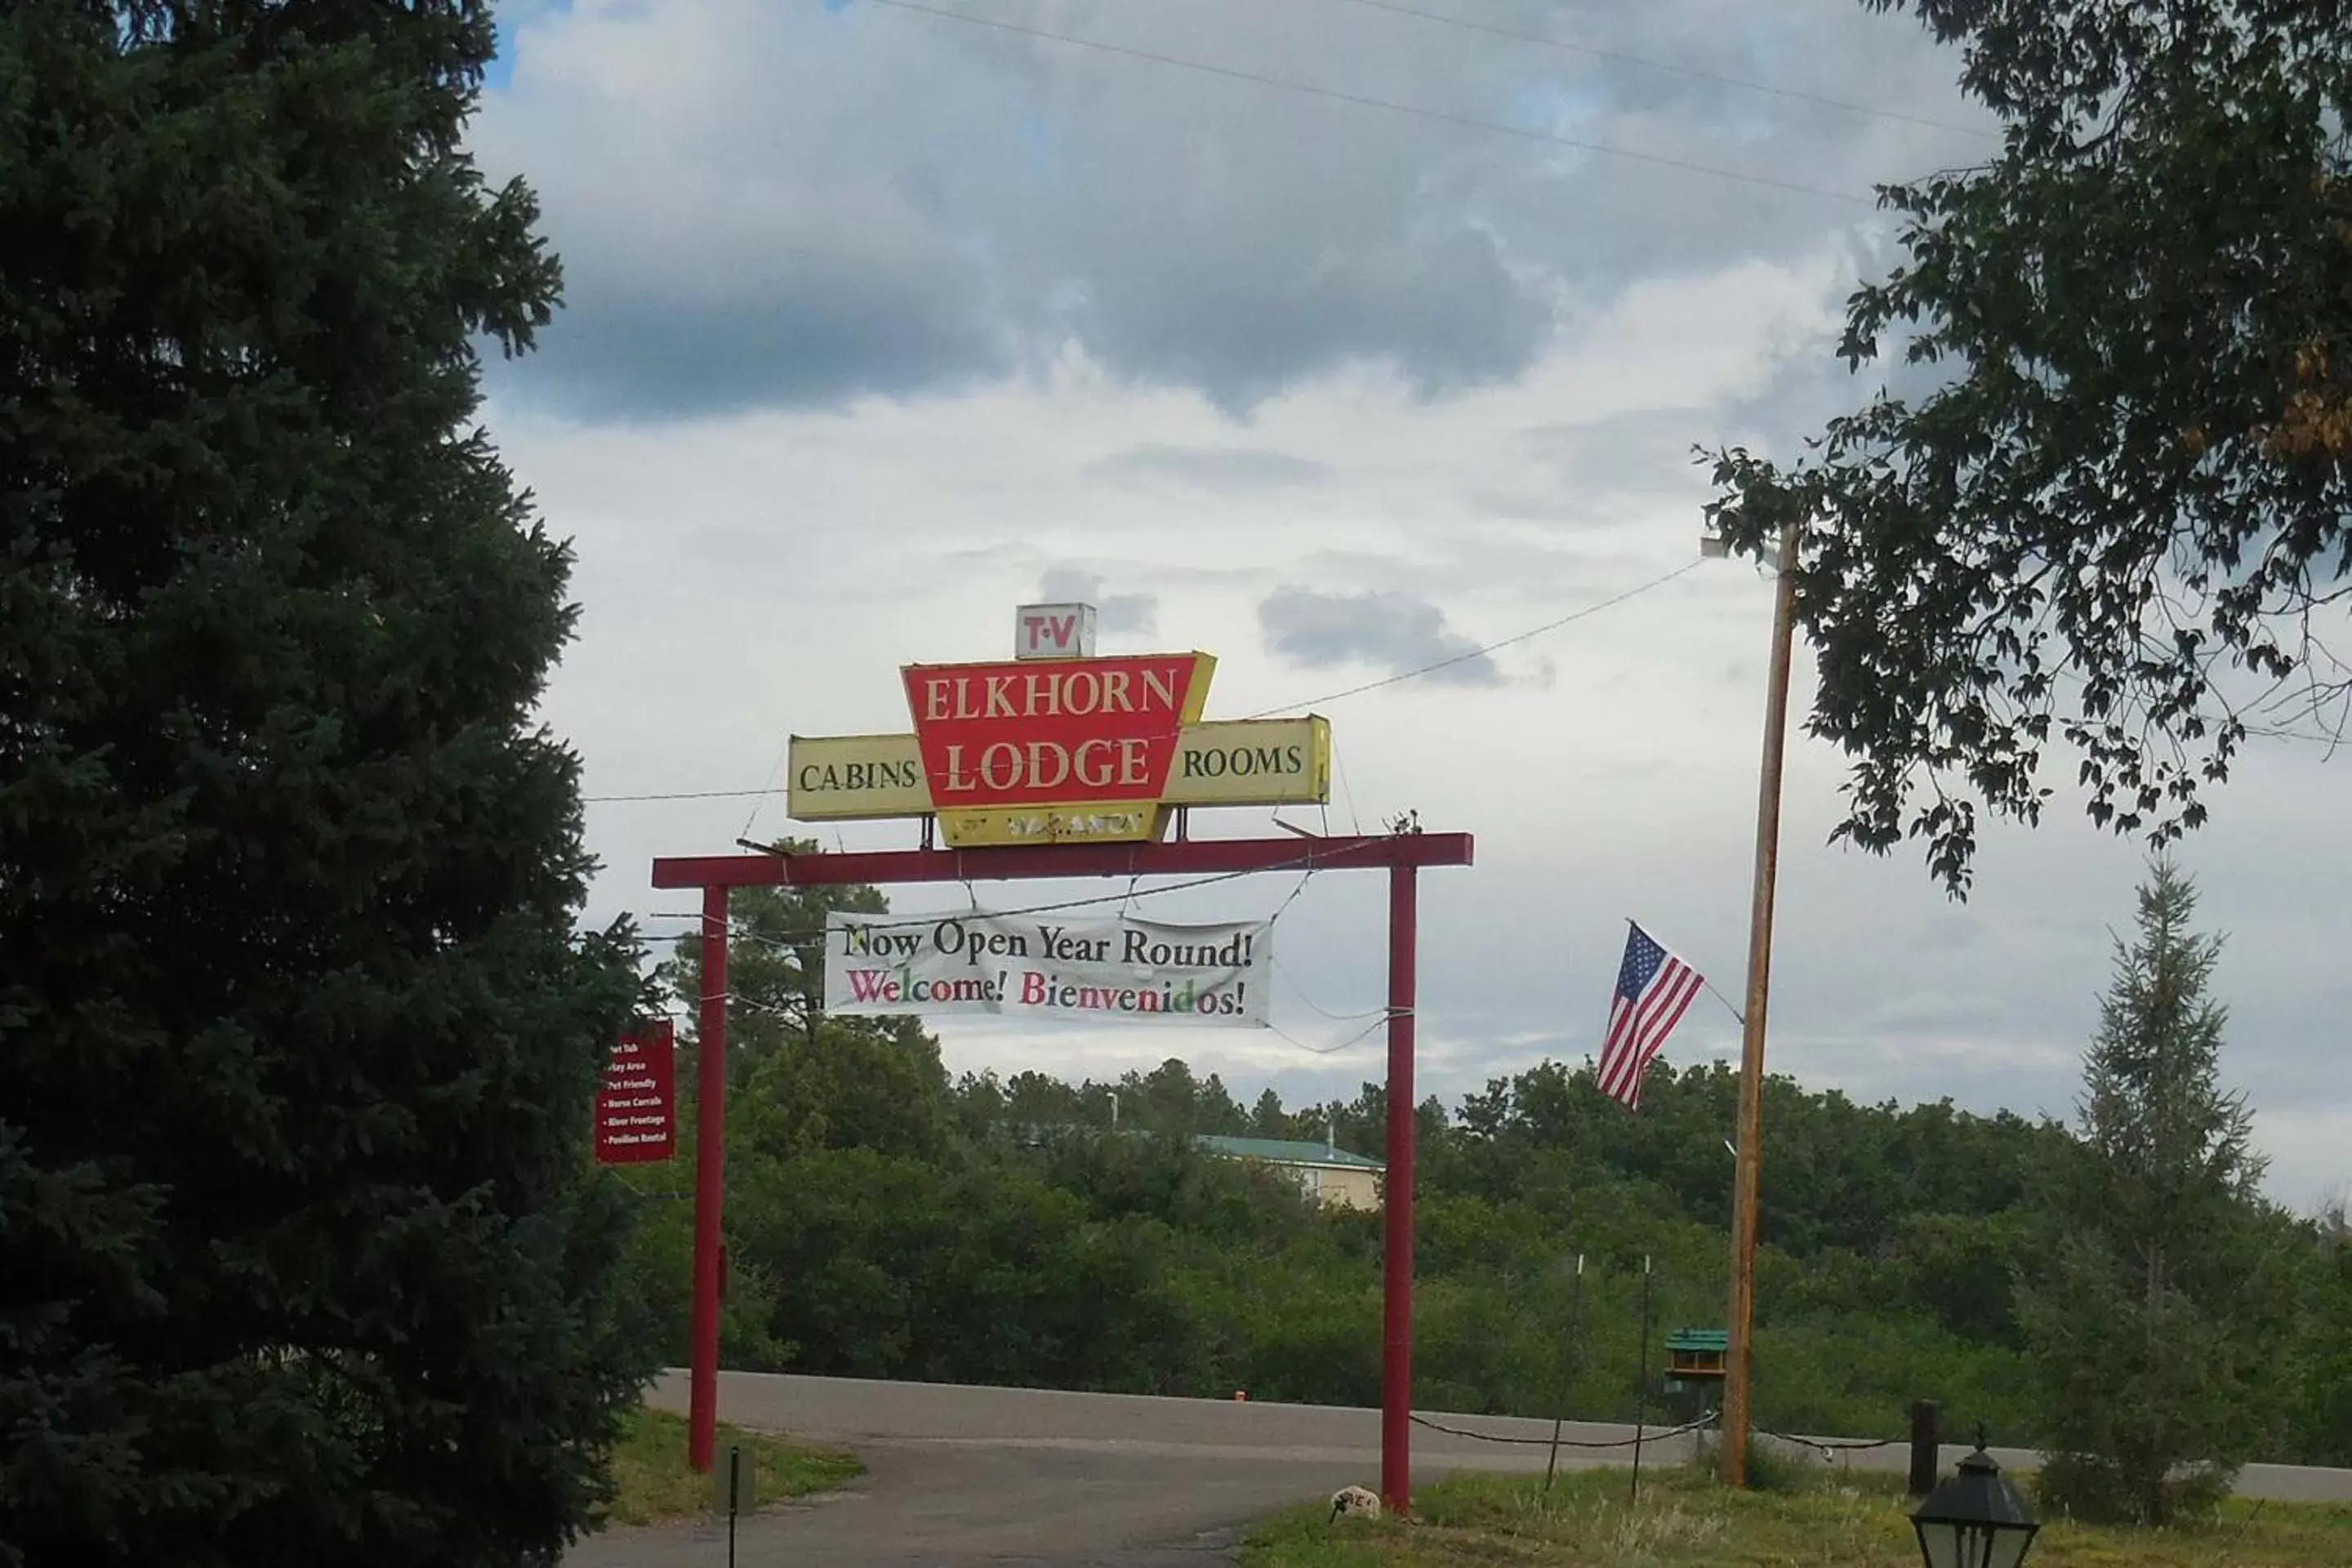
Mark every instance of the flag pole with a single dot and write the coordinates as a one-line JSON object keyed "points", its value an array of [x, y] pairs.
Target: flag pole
{"points": [[1739, 1362]]}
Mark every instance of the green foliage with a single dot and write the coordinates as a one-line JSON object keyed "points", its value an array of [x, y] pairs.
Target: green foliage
{"points": [[2110, 514], [1777, 1467], [2322, 1413], [301, 1255], [652, 1481], [2162, 1323], [1683, 1519], [1021, 1230], [813, 1081]]}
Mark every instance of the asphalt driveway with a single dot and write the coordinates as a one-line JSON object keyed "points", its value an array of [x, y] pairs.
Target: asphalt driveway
{"points": [[1009, 1476]]}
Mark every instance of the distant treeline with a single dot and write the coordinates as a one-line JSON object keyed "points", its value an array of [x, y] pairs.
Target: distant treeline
{"points": [[884, 1221]]}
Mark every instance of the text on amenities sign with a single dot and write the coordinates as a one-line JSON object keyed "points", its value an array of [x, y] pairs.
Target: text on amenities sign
{"points": [[637, 1103]]}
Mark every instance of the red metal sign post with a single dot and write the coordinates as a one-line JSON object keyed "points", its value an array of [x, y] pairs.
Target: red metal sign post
{"points": [[710, 1172], [1402, 854]]}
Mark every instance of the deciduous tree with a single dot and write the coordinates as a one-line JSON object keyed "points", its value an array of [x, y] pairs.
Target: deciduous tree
{"points": [[2115, 518], [805, 1078]]}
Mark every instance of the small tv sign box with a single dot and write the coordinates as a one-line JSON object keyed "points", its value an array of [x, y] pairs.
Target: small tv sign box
{"points": [[1053, 631]]}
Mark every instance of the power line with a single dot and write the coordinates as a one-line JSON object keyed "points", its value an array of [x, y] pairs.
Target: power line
{"points": [[1383, 1013], [1346, 790], [1333, 1049], [1447, 663], [1362, 101], [883, 922], [783, 753], [1467, 122], [1694, 73], [739, 931], [1451, 660], [681, 795], [738, 999]]}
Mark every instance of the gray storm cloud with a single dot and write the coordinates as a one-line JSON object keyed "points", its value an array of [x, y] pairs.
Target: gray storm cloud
{"points": [[783, 206], [1115, 614], [1392, 632]]}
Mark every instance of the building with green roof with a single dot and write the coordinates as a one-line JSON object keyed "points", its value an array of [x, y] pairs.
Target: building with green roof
{"points": [[1326, 1173]]}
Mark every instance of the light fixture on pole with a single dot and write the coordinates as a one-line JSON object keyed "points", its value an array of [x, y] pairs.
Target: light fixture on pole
{"points": [[1715, 547], [1740, 1359], [1975, 1519]]}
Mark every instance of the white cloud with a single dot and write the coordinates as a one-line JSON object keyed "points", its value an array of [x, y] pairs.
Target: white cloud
{"points": [[765, 204], [953, 375]]}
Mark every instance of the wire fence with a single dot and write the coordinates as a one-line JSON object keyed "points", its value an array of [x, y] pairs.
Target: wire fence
{"points": [[1828, 1447], [1644, 1438], [1832, 1447]]}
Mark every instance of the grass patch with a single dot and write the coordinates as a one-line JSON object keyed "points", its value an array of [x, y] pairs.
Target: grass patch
{"points": [[1686, 1520], [1772, 1466], [655, 1481]]}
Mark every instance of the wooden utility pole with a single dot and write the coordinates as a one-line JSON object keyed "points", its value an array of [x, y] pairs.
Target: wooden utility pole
{"points": [[1740, 1360], [1396, 1199]]}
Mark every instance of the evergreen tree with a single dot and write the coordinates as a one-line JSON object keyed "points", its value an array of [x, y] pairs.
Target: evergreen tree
{"points": [[801, 1076], [302, 1259], [2165, 1313], [776, 961]]}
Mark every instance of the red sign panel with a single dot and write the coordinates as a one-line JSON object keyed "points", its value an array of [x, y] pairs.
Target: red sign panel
{"points": [[1053, 733], [636, 1105]]}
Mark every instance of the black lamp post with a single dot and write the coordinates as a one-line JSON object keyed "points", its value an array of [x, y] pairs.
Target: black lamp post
{"points": [[1975, 1519]]}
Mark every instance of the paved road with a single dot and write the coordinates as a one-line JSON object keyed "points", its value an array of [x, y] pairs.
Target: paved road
{"points": [[1012, 1477]]}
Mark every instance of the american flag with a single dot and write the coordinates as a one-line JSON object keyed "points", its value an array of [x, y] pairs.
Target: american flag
{"points": [[1655, 989]]}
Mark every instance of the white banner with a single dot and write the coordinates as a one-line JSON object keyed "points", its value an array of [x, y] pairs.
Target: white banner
{"points": [[1047, 966]]}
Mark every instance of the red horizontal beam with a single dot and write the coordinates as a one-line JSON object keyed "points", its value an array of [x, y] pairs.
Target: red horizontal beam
{"points": [[1189, 858]]}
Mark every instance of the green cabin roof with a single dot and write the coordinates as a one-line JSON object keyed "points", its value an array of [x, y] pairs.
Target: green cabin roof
{"points": [[1283, 1152], [1699, 1339]]}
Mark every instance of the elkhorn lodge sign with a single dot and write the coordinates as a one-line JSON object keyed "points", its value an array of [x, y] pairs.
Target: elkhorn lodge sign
{"points": [[1059, 748], [1059, 745]]}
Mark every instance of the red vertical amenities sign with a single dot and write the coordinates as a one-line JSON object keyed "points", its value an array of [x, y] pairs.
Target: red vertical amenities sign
{"points": [[636, 1105]]}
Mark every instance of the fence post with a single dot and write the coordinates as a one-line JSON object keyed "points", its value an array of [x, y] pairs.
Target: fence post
{"points": [[1925, 1444]]}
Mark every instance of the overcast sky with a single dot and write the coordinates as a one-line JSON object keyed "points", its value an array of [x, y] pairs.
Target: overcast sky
{"points": [[881, 322]]}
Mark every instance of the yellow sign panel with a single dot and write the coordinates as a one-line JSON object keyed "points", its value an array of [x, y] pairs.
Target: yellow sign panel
{"points": [[1252, 762], [837, 778], [1112, 822], [1245, 762]]}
